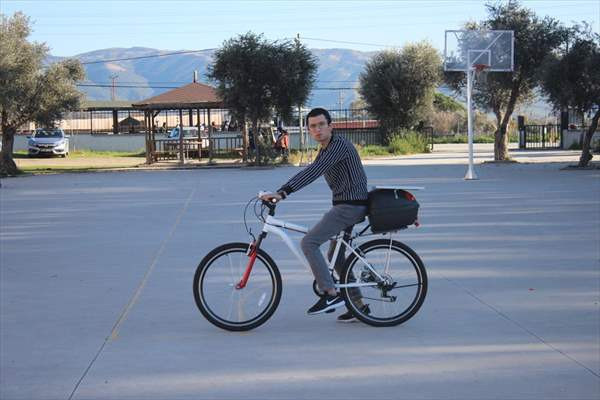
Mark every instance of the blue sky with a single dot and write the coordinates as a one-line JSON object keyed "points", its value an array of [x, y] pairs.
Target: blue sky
{"points": [[72, 27]]}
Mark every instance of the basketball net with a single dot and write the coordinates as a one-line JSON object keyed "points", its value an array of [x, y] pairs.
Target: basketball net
{"points": [[481, 72]]}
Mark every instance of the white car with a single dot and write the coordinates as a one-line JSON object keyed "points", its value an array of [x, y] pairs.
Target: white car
{"points": [[189, 132], [49, 142]]}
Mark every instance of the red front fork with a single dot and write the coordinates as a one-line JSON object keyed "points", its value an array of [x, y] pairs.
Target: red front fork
{"points": [[252, 255], [242, 283]]}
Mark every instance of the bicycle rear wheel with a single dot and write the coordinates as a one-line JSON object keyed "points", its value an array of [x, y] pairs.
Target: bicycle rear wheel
{"points": [[222, 303], [395, 299]]}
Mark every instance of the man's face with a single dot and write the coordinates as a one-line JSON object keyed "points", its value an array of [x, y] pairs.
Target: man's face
{"points": [[319, 129]]}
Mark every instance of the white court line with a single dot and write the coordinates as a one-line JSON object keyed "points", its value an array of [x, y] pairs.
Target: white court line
{"points": [[115, 330]]}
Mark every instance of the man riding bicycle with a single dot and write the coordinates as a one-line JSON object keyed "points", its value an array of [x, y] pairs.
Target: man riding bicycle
{"points": [[340, 163]]}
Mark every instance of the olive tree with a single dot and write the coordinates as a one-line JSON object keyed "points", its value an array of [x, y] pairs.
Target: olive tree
{"points": [[572, 79], [30, 92], [398, 86], [257, 78], [501, 93]]}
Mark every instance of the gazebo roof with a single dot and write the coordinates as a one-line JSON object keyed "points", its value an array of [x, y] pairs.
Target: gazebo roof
{"points": [[130, 121], [193, 95], [105, 105]]}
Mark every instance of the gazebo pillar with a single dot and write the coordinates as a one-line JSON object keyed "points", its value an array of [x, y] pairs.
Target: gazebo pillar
{"points": [[199, 134], [149, 155], [181, 156], [152, 132], [115, 114], [210, 142]]}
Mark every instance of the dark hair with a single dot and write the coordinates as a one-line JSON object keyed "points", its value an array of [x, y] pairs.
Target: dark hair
{"points": [[315, 112]]}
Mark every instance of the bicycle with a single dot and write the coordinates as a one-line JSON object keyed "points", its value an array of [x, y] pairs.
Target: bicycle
{"points": [[237, 286]]}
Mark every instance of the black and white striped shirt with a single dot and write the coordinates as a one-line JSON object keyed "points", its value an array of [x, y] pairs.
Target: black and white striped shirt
{"points": [[344, 173]]}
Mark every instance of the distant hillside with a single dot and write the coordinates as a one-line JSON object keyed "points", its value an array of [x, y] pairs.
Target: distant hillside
{"points": [[338, 68]]}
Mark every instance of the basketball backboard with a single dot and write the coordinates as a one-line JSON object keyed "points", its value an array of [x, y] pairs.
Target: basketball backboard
{"points": [[466, 48]]}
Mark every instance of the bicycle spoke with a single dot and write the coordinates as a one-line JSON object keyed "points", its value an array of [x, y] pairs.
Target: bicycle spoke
{"points": [[404, 286], [387, 260], [231, 269], [379, 299], [231, 303], [241, 313]]}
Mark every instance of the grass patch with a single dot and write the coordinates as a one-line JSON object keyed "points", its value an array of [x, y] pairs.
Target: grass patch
{"points": [[52, 169], [401, 143], [97, 153], [447, 139], [373, 150], [88, 154]]}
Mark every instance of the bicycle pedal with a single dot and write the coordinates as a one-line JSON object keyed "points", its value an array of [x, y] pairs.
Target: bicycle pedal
{"points": [[330, 311]]}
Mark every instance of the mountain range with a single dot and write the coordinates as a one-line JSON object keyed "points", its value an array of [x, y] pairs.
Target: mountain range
{"points": [[141, 78], [138, 79]]}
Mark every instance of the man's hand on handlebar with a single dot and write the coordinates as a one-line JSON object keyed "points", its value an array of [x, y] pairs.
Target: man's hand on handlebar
{"points": [[271, 197]]}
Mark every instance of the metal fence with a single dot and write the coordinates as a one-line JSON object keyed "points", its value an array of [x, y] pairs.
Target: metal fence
{"points": [[540, 137], [357, 125], [219, 145], [132, 121]]}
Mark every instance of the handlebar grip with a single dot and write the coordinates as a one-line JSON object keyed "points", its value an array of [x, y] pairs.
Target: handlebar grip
{"points": [[272, 200]]}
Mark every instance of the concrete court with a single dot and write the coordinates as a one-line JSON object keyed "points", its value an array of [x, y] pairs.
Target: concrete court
{"points": [[96, 300]]}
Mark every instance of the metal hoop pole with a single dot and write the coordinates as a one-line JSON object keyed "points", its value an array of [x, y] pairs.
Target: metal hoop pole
{"points": [[471, 175]]}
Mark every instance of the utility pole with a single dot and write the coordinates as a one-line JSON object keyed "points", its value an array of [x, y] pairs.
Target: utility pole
{"points": [[301, 119], [113, 77]]}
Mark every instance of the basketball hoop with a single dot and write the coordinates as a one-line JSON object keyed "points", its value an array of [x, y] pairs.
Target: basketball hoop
{"points": [[480, 72], [477, 52]]}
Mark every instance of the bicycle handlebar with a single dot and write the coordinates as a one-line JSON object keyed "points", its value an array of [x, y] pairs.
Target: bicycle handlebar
{"points": [[270, 204]]}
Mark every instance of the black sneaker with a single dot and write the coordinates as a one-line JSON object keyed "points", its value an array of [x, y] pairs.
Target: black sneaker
{"points": [[349, 317], [326, 304]]}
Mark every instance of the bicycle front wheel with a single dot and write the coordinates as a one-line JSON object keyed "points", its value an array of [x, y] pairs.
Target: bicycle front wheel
{"points": [[218, 297], [395, 283]]}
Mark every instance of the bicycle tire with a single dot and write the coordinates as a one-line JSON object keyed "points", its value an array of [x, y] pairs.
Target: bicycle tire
{"points": [[200, 291], [404, 253]]}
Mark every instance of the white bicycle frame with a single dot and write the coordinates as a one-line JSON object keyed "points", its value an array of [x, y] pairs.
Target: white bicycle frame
{"points": [[274, 225]]}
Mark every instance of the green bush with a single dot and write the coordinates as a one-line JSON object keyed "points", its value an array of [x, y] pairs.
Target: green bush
{"points": [[268, 155], [408, 142], [400, 143], [373, 150]]}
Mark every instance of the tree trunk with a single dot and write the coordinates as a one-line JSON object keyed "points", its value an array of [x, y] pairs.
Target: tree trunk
{"points": [[256, 136], [501, 144], [586, 154], [7, 164], [497, 134], [501, 139], [245, 140]]}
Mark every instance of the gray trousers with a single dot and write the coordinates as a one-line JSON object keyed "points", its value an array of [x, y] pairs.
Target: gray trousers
{"points": [[333, 222]]}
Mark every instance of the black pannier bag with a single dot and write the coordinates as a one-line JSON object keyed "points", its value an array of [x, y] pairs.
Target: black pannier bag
{"points": [[391, 209]]}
